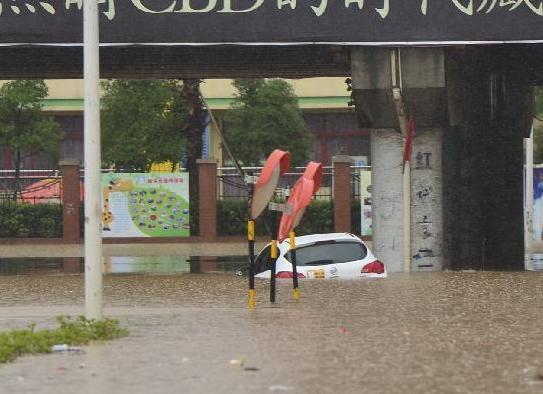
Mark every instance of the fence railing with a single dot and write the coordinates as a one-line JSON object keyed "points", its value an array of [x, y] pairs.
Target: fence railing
{"points": [[28, 221], [32, 186], [355, 180], [232, 186]]}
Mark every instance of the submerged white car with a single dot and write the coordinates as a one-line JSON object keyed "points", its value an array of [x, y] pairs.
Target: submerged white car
{"points": [[323, 256]]}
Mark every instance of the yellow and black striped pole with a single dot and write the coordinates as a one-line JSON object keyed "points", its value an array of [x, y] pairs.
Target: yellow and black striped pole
{"points": [[296, 289], [273, 255], [273, 263], [251, 242]]}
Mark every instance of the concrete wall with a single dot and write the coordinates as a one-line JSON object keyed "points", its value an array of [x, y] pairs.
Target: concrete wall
{"points": [[426, 202], [387, 197]]}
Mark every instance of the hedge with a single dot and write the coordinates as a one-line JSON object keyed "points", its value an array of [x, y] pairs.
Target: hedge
{"points": [[232, 218], [45, 220], [30, 221]]}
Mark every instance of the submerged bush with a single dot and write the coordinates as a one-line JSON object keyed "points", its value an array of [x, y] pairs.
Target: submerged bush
{"points": [[79, 331]]}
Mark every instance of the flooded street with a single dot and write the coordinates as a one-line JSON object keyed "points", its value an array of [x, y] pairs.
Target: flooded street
{"points": [[447, 332]]}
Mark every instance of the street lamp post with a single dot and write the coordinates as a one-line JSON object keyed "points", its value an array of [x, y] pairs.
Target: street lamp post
{"points": [[93, 211]]}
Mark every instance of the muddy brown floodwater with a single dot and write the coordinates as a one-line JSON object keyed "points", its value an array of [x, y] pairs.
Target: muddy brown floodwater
{"points": [[192, 333]]}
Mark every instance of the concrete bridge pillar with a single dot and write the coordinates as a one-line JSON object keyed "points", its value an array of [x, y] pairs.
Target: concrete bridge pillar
{"points": [[491, 111], [420, 75], [473, 106], [387, 197], [426, 199]]}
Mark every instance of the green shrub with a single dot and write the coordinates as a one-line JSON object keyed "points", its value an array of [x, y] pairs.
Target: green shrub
{"points": [[232, 219], [45, 220], [71, 332], [318, 218], [30, 221]]}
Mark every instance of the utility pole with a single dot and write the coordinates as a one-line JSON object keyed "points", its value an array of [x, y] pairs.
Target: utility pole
{"points": [[93, 162]]}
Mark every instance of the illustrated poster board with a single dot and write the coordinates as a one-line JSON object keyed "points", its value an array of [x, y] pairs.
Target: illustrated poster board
{"points": [[146, 205]]}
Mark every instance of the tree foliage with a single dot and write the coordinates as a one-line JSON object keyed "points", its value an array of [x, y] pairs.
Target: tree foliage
{"points": [[142, 123], [23, 125], [24, 128], [265, 116]]}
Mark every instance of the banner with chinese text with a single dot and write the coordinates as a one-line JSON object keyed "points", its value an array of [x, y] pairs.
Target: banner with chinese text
{"points": [[383, 22]]}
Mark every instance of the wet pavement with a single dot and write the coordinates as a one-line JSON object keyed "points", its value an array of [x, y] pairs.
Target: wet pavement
{"points": [[450, 332]]}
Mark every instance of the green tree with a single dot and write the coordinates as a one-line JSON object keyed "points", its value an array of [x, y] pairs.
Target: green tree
{"points": [[142, 123], [24, 127], [265, 116]]}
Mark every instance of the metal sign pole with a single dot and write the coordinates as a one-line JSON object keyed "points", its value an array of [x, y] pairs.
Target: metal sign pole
{"points": [[93, 210], [274, 254], [296, 288], [251, 244]]}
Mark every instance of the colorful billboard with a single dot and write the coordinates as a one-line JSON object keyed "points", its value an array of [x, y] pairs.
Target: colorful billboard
{"points": [[538, 204], [145, 205]]}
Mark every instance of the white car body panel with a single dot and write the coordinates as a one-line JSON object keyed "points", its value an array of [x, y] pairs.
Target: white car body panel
{"points": [[347, 270]]}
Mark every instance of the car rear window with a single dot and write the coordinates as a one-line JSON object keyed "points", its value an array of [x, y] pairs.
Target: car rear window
{"points": [[329, 252], [262, 261]]}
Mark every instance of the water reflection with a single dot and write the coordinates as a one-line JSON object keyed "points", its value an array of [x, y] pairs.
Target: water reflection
{"points": [[122, 265], [154, 265]]}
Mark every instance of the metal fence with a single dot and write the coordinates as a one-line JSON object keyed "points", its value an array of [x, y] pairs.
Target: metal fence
{"points": [[355, 180], [45, 186], [232, 186], [32, 186]]}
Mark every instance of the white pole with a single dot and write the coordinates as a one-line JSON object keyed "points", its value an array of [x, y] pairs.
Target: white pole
{"points": [[529, 193], [407, 217], [93, 210]]}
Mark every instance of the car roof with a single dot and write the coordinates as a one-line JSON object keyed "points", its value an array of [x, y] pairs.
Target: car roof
{"points": [[312, 238]]}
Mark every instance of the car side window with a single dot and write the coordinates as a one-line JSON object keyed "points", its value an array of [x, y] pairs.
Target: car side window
{"points": [[329, 252], [262, 261]]}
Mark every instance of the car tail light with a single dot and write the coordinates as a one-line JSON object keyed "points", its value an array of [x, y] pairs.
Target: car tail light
{"points": [[288, 275], [375, 267]]}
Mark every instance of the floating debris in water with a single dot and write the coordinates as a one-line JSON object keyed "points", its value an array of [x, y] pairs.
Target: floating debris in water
{"points": [[237, 362]]}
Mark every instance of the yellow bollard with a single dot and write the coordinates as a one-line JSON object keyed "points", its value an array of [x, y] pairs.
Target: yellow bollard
{"points": [[296, 294], [251, 242]]}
